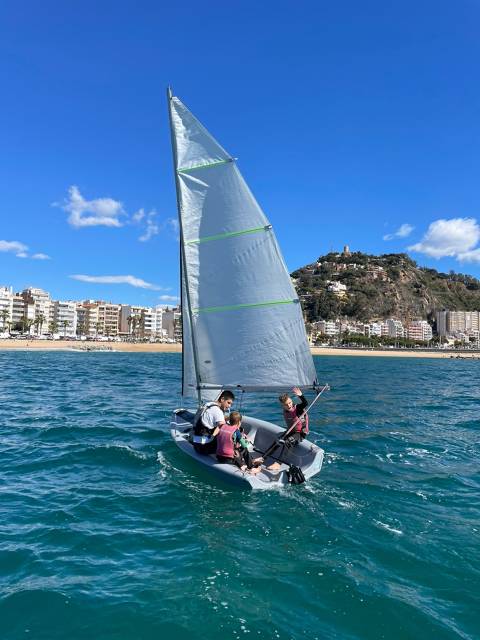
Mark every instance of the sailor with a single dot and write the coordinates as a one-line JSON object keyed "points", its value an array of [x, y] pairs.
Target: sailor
{"points": [[297, 424], [208, 422], [232, 445], [295, 417]]}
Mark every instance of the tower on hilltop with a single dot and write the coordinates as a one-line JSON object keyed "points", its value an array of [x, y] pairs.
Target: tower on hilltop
{"points": [[346, 250]]}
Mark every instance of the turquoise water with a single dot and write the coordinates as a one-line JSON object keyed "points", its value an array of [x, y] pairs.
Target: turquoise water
{"points": [[108, 532]]}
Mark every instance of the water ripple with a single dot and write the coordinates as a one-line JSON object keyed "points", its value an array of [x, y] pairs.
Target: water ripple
{"points": [[108, 531]]}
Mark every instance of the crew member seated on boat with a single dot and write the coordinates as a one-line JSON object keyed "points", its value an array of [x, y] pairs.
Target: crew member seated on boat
{"points": [[297, 425], [208, 422], [232, 445], [295, 417]]}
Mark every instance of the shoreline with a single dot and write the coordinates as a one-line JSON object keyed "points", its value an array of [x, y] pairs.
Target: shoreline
{"points": [[142, 347]]}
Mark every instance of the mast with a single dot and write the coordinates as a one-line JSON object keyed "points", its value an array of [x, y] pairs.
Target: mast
{"points": [[183, 265]]}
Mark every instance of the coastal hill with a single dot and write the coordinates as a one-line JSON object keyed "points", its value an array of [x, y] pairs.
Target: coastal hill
{"points": [[366, 287]]}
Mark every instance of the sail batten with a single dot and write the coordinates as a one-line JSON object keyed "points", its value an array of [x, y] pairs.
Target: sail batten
{"points": [[230, 234], [242, 321], [248, 305], [208, 165]]}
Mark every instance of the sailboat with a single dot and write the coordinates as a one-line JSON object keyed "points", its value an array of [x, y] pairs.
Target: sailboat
{"points": [[242, 322]]}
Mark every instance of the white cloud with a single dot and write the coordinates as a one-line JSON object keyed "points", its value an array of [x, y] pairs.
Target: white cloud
{"points": [[168, 298], [20, 250], [455, 237], [138, 216], [151, 226], [131, 280], [174, 226], [13, 246], [111, 213], [402, 232], [470, 256], [99, 212]]}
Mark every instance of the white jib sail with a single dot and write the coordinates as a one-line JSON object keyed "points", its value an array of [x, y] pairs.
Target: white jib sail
{"points": [[242, 320]]}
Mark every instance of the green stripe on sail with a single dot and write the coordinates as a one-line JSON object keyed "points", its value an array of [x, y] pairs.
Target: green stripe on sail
{"points": [[230, 234], [235, 307], [203, 166]]}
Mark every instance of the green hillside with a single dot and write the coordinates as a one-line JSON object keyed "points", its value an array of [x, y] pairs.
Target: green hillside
{"points": [[379, 287]]}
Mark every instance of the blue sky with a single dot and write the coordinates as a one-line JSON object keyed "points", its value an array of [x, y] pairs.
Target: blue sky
{"points": [[354, 123]]}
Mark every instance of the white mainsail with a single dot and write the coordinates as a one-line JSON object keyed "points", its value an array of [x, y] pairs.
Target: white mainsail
{"points": [[242, 320]]}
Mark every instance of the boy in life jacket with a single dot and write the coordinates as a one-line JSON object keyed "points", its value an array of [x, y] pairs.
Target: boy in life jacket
{"points": [[294, 416], [296, 421], [208, 422], [232, 445]]}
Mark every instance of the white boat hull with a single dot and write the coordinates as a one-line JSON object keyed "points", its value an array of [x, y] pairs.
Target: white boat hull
{"points": [[306, 455]]}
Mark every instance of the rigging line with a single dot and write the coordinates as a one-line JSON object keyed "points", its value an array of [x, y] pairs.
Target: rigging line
{"points": [[235, 307], [230, 234], [204, 166]]}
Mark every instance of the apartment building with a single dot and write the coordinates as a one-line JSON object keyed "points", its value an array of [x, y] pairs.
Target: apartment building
{"points": [[327, 327], [108, 319], [463, 321], [394, 328], [42, 308], [23, 312], [81, 311], [6, 307], [374, 329], [419, 330], [441, 319], [65, 317], [158, 330], [136, 320], [172, 323]]}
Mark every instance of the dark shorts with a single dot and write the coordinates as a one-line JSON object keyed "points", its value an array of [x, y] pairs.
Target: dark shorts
{"points": [[206, 449]]}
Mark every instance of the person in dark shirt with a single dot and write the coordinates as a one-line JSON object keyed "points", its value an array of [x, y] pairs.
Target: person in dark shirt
{"points": [[296, 420]]}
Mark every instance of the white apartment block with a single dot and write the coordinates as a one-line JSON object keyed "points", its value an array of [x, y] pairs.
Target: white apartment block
{"points": [[158, 330], [43, 308], [395, 328], [327, 327], [374, 329], [136, 320], [65, 317], [419, 330], [6, 308]]}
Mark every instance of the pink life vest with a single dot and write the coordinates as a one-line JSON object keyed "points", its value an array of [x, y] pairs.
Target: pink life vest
{"points": [[225, 440], [301, 424]]}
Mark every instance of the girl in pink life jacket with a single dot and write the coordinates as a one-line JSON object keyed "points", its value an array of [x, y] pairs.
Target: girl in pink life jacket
{"points": [[232, 445]]}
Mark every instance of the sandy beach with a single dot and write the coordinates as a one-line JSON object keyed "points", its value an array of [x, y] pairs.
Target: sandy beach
{"points": [[70, 345], [389, 353], [51, 345]]}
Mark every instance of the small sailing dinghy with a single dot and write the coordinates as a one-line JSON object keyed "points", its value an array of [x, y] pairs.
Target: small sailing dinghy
{"points": [[242, 322]]}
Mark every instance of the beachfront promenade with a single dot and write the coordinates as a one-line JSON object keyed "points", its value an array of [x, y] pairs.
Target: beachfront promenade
{"points": [[158, 347]]}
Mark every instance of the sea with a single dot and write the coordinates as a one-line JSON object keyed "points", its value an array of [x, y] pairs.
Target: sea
{"points": [[108, 532]]}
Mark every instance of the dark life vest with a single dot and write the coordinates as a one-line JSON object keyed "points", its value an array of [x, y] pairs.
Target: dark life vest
{"points": [[199, 428]]}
